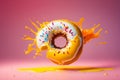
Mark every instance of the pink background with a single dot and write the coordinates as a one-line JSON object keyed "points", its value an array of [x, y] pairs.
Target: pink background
{"points": [[15, 14]]}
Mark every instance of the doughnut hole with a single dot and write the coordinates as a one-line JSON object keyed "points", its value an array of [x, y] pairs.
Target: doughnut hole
{"points": [[59, 40]]}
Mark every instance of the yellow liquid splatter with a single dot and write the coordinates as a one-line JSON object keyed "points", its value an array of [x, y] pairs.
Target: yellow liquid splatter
{"points": [[65, 68], [88, 34]]}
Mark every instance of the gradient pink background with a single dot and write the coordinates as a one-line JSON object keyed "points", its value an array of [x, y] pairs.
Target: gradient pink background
{"points": [[15, 14]]}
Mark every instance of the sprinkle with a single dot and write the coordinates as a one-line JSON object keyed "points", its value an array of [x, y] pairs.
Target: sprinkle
{"points": [[45, 32], [72, 34], [43, 41], [66, 29], [61, 27], [52, 23], [58, 52], [41, 35], [48, 28], [70, 30], [39, 39], [54, 54], [47, 35], [51, 27], [67, 52]]}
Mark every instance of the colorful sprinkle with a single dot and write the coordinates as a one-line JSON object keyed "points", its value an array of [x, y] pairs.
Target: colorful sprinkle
{"points": [[51, 27], [47, 35], [48, 28], [71, 32], [46, 39], [41, 35], [61, 27], [66, 28], [43, 41], [52, 23], [45, 32]]}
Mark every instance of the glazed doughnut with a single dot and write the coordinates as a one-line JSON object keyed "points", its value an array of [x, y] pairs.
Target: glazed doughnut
{"points": [[49, 31]]}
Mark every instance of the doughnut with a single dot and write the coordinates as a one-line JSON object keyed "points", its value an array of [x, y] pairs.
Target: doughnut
{"points": [[48, 32], [73, 35]]}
